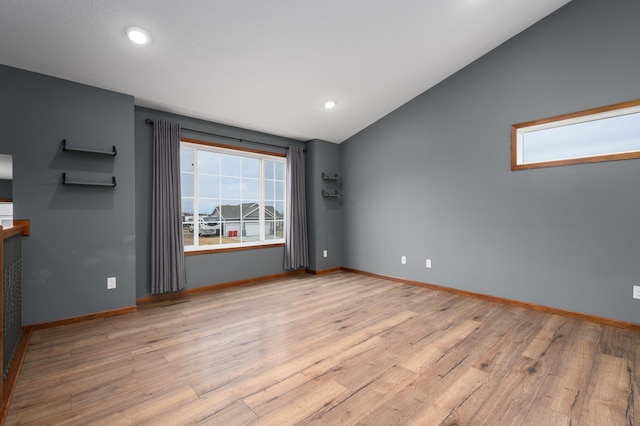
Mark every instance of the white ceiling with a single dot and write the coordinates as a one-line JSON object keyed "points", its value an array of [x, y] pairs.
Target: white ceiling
{"points": [[266, 65]]}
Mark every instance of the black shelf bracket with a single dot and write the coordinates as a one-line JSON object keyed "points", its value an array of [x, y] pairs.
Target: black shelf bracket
{"points": [[66, 147], [336, 194], [112, 184]]}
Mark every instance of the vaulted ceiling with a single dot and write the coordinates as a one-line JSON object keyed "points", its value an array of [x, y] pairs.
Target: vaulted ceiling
{"points": [[265, 65]]}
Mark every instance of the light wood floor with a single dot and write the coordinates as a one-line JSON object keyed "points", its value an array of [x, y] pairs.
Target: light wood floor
{"points": [[327, 350]]}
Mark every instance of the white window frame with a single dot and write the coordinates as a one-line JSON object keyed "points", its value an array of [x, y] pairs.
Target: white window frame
{"points": [[262, 156], [518, 132]]}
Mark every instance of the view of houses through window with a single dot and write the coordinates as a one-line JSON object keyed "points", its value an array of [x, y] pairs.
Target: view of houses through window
{"points": [[230, 198]]}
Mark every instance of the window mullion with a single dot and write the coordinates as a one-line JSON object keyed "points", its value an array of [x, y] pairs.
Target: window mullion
{"points": [[196, 203], [262, 207]]}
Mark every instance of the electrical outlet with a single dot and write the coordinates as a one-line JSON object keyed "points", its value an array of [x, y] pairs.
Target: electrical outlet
{"points": [[403, 260], [324, 253], [111, 283], [636, 291], [428, 263]]}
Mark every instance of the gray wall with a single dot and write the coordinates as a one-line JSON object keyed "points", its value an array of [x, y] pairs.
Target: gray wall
{"points": [[324, 218], [79, 235], [205, 269], [433, 180], [430, 180]]}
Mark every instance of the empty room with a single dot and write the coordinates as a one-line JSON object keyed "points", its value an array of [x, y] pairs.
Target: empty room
{"points": [[329, 213]]}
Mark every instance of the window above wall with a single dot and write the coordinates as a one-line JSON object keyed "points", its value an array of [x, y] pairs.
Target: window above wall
{"points": [[231, 199], [600, 134]]}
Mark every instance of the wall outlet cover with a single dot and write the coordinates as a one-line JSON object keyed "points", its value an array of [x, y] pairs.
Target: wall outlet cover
{"points": [[636, 291], [403, 260], [111, 283]]}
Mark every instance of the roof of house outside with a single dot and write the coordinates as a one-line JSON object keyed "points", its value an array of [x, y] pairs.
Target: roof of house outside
{"points": [[250, 211]]}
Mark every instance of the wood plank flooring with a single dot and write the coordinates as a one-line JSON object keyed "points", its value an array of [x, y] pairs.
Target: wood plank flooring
{"points": [[330, 350]]}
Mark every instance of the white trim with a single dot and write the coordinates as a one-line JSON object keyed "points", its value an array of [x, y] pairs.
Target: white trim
{"points": [[261, 201]]}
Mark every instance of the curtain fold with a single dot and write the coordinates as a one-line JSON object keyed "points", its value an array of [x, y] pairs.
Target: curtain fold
{"points": [[296, 249], [167, 244]]}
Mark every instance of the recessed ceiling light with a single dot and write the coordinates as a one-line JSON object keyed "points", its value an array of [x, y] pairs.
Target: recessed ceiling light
{"points": [[329, 104], [138, 35]]}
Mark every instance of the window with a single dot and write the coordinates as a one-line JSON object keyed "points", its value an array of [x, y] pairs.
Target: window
{"points": [[600, 134], [230, 198]]}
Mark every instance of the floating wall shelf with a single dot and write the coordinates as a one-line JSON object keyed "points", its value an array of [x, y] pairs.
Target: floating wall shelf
{"points": [[334, 177], [111, 184], [332, 182], [111, 153], [335, 194]]}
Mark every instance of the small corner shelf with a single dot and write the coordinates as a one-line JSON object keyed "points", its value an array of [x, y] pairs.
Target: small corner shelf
{"points": [[111, 153], [332, 182], [111, 184], [334, 177], [335, 194]]}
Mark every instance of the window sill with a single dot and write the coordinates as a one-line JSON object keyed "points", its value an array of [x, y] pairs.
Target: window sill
{"points": [[229, 249]]}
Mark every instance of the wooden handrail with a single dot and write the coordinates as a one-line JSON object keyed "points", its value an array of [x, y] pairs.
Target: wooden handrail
{"points": [[19, 227]]}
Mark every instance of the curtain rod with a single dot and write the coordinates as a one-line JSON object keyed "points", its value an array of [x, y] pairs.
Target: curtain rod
{"points": [[149, 121]]}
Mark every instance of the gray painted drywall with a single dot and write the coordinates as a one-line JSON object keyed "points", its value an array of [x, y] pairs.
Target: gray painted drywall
{"points": [[79, 235], [433, 180], [323, 214], [6, 191], [205, 269]]}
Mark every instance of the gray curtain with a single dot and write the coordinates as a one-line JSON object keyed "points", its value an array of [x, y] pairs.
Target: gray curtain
{"points": [[167, 244], [296, 249]]}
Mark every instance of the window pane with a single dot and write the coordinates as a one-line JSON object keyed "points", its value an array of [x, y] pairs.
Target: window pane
{"points": [[187, 206], [251, 168], [208, 162], [280, 210], [186, 160], [209, 239], [592, 138], [233, 232], [269, 190], [279, 186], [187, 220], [277, 229], [268, 169], [251, 231], [600, 134], [230, 210], [206, 206], [186, 184], [250, 189], [251, 210], [230, 165], [280, 170], [269, 210], [187, 235], [231, 187], [270, 230], [209, 186]]}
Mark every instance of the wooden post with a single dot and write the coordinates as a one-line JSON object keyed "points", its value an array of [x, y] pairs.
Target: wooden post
{"points": [[2, 407]]}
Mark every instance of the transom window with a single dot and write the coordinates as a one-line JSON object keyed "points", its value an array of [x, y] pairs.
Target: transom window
{"points": [[601, 134], [230, 198]]}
